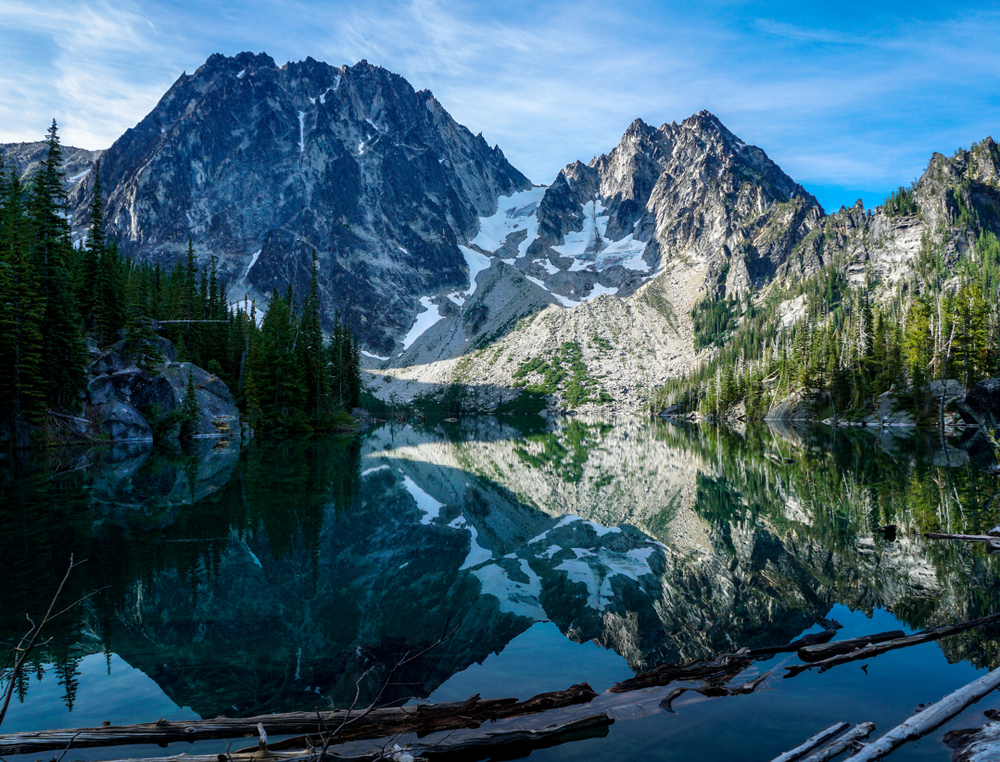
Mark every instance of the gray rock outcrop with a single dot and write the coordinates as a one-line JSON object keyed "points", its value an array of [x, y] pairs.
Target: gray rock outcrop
{"points": [[981, 406], [126, 403]]}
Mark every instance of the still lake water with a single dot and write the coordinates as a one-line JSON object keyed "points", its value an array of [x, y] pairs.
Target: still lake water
{"points": [[242, 582]]}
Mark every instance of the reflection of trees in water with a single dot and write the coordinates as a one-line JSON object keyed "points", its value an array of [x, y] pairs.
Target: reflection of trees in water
{"points": [[133, 514], [845, 486], [792, 526]]}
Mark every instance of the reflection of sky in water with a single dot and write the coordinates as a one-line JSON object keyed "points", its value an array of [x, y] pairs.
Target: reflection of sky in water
{"points": [[538, 660], [125, 696]]}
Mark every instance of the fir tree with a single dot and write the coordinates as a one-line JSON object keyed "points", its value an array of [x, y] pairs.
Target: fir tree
{"points": [[189, 409], [63, 350]]}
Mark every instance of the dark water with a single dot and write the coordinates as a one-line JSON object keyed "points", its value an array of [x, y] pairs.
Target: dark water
{"points": [[270, 579]]}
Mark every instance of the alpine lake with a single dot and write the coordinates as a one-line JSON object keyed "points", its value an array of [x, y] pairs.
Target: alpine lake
{"points": [[536, 554]]}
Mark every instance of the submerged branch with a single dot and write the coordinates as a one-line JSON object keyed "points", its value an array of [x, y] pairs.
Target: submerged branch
{"points": [[874, 649]]}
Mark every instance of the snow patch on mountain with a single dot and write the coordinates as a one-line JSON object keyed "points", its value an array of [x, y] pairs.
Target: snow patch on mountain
{"points": [[477, 263], [477, 554], [425, 320], [514, 597], [514, 213]]}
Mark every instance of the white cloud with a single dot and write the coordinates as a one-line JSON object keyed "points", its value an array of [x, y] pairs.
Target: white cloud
{"points": [[97, 68]]}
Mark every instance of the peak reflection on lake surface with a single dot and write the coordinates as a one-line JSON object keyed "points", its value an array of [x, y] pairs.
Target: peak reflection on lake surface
{"points": [[551, 553]]}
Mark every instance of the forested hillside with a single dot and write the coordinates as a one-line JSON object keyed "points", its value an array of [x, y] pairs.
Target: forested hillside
{"points": [[907, 294], [60, 304]]}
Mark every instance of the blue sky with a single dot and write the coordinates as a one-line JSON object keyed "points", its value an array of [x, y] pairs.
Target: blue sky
{"points": [[849, 98]]}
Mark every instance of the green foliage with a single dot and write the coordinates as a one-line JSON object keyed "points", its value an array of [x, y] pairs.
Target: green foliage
{"points": [[713, 320], [565, 453], [42, 350], [51, 295], [900, 203], [526, 403], [565, 372], [847, 350], [965, 213]]}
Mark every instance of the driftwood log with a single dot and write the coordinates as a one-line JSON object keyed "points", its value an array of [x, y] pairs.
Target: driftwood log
{"points": [[818, 652], [714, 691], [812, 749], [377, 723], [992, 540], [493, 743], [850, 738], [976, 743], [930, 718], [812, 743], [812, 639], [721, 667], [875, 649], [424, 719]]}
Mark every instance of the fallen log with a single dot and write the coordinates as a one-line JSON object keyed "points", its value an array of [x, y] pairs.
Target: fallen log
{"points": [[424, 719], [815, 750], [930, 718], [722, 667], [493, 743], [817, 652], [713, 691], [812, 743], [890, 645], [991, 540], [970, 744], [377, 723], [851, 737], [811, 639]]}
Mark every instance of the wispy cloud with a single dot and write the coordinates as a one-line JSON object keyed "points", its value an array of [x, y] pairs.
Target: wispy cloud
{"points": [[96, 67]]}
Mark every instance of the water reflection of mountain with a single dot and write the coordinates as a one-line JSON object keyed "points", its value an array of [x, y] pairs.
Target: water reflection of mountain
{"points": [[282, 576]]}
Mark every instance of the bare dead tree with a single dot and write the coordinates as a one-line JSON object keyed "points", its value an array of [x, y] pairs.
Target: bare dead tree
{"points": [[29, 641]]}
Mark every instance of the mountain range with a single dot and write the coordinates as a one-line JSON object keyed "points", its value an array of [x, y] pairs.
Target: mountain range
{"points": [[458, 274]]}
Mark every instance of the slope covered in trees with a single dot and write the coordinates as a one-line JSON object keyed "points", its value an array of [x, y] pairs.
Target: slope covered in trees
{"points": [[874, 318], [60, 303]]}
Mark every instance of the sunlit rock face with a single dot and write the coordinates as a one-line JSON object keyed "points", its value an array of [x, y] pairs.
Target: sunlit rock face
{"points": [[259, 165], [691, 190], [669, 217]]}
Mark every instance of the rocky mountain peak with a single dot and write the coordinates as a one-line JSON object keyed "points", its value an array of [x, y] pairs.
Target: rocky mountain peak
{"points": [[259, 165]]}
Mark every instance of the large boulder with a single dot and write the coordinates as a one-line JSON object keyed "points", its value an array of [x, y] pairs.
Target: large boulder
{"points": [[121, 422], [218, 415], [144, 390], [117, 357], [981, 406], [121, 396]]}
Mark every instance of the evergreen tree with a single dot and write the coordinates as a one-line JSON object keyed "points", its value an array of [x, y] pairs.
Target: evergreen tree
{"points": [[21, 312], [312, 356], [277, 374], [63, 350], [140, 340], [90, 261], [189, 409]]}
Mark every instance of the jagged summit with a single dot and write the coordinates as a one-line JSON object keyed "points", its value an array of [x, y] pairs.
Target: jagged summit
{"points": [[260, 164]]}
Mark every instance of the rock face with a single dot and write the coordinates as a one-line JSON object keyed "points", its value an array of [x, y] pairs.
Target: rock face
{"points": [[981, 406], [259, 165], [670, 216], [126, 403], [691, 191]]}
